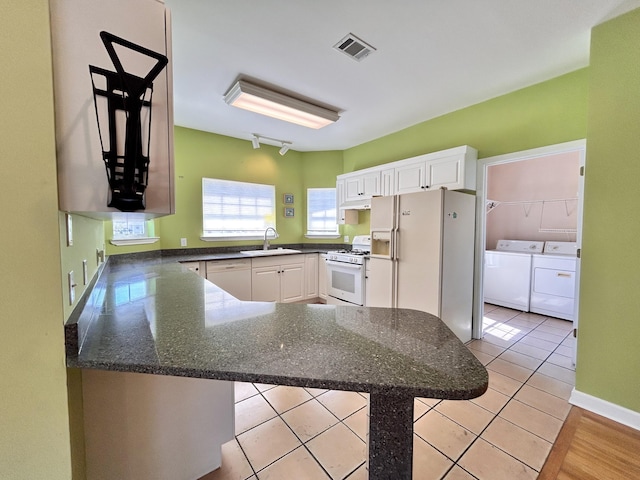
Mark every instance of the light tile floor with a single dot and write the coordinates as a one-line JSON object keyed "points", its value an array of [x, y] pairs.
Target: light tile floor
{"points": [[297, 433]]}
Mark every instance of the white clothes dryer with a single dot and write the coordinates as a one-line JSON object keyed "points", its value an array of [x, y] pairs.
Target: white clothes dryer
{"points": [[553, 280]]}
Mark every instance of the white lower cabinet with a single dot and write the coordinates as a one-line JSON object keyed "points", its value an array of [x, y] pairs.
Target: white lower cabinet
{"points": [[233, 276], [278, 279], [322, 277], [141, 427], [196, 267], [311, 275]]}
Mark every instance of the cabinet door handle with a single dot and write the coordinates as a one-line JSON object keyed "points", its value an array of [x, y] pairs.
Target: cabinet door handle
{"points": [[566, 275]]}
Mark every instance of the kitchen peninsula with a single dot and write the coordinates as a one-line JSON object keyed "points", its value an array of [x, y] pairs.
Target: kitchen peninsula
{"points": [[179, 324]]}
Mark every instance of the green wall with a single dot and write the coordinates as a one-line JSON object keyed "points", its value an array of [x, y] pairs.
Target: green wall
{"points": [[609, 330], [35, 439], [34, 424], [200, 154], [543, 114], [88, 236]]}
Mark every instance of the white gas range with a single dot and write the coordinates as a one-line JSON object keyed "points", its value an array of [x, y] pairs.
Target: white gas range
{"points": [[346, 273]]}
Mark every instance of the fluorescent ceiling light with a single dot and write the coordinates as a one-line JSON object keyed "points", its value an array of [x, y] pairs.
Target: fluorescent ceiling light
{"points": [[277, 105]]}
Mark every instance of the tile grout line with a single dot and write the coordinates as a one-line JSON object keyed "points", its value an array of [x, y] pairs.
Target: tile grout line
{"points": [[304, 444], [512, 397], [544, 361]]}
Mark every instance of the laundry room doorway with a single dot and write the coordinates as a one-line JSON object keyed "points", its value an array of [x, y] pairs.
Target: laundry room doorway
{"points": [[534, 197]]}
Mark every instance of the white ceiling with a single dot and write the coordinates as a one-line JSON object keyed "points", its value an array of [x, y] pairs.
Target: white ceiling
{"points": [[433, 57]]}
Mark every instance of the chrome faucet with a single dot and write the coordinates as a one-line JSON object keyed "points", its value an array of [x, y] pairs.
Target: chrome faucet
{"points": [[265, 245]]}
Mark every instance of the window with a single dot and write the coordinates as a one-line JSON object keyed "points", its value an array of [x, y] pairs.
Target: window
{"points": [[236, 210], [321, 212], [132, 229]]}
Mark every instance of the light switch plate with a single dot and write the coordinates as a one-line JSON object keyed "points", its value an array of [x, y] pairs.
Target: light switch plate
{"points": [[183, 242], [346, 239], [72, 288], [85, 272], [69, 224]]}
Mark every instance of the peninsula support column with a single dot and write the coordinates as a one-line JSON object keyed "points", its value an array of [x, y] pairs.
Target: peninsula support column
{"points": [[390, 437]]}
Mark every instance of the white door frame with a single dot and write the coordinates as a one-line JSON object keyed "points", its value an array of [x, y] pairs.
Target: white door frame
{"points": [[481, 201]]}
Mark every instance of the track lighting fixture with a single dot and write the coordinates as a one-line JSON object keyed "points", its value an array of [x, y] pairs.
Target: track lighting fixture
{"points": [[257, 140], [261, 100], [284, 149]]}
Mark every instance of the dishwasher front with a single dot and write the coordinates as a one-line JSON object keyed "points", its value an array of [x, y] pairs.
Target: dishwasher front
{"points": [[233, 276]]}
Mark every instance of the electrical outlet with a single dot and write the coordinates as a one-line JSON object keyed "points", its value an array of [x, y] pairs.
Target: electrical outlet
{"points": [[183, 242], [99, 255], [85, 272], [72, 288], [346, 239]]}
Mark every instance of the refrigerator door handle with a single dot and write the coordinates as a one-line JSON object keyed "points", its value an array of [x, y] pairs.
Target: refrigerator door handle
{"points": [[394, 296], [394, 285]]}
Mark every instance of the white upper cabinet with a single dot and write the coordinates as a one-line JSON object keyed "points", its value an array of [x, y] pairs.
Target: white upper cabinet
{"points": [[387, 182], [410, 178], [362, 185], [453, 169], [96, 131]]}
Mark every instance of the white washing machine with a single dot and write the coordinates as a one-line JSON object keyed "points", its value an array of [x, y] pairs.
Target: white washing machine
{"points": [[553, 280], [507, 273]]}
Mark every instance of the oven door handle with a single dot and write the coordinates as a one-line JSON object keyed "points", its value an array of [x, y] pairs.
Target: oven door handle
{"points": [[353, 266]]}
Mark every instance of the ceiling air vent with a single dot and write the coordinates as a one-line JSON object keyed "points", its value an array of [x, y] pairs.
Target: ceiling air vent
{"points": [[354, 47]]}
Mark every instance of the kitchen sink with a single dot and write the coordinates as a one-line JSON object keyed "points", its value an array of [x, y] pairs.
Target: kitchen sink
{"points": [[274, 251]]}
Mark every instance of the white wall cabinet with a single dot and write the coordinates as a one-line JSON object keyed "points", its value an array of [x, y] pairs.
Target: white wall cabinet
{"points": [[454, 169], [278, 279], [361, 185], [348, 217], [387, 182], [75, 34]]}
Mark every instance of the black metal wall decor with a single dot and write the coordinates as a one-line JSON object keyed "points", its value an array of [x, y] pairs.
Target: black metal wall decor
{"points": [[123, 106]]}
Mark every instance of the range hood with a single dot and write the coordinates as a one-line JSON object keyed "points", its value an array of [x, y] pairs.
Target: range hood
{"points": [[360, 204]]}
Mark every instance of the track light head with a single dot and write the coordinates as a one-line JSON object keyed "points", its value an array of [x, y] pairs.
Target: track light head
{"points": [[284, 149], [255, 141]]}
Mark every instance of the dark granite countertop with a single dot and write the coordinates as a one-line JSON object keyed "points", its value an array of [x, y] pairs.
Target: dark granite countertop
{"points": [[152, 315], [222, 253]]}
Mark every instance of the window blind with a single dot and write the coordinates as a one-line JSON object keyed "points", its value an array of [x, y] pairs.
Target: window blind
{"points": [[321, 212], [236, 209]]}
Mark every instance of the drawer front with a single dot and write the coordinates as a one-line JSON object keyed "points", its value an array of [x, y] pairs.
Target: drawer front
{"points": [[286, 259], [561, 283]]}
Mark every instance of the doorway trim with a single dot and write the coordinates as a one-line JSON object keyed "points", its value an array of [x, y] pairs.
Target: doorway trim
{"points": [[481, 220]]}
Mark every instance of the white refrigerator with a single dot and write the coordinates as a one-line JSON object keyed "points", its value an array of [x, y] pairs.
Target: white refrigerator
{"points": [[422, 254]]}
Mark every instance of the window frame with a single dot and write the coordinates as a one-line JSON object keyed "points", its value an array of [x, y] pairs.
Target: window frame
{"points": [[210, 236], [331, 199], [137, 220]]}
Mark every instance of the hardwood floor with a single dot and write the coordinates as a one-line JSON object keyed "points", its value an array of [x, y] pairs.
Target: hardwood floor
{"points": [[591, 447]]}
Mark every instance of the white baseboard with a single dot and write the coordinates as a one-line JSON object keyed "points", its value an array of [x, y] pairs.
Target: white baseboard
{"points": [[609, 410]]}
